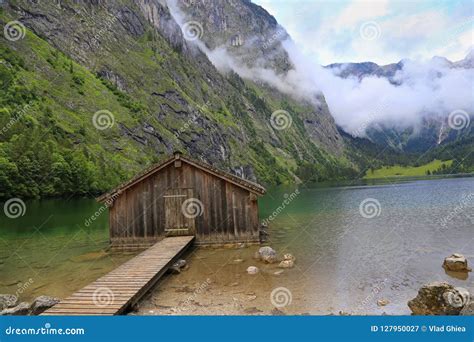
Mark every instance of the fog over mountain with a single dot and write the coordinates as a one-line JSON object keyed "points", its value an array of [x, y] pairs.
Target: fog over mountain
{"points": [[400, 96]]}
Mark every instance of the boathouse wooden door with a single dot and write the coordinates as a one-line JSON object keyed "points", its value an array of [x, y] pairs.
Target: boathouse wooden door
{"points": [[181, 209]]}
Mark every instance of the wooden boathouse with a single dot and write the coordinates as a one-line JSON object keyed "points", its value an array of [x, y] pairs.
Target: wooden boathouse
{"points": [[183, 196], [168, 207]]}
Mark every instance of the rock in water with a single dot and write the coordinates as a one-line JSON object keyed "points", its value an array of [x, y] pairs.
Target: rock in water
{"points": [[456, 263], [289, 256], [286, 264], [7, 301], [252, 270], [439, 298], [266, 254], [178, 266], [42, 303], [21, 309]]}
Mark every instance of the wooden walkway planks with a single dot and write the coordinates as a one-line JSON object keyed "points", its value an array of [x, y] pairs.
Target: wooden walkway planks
{"points": [[113, 293]]}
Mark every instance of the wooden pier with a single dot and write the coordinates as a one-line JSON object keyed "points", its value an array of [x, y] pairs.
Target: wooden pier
{"points": [[113, 293]]}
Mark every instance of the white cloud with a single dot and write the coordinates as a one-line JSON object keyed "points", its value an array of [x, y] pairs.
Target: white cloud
{"points": [[428, 89], [329, 31], [359, 11]]}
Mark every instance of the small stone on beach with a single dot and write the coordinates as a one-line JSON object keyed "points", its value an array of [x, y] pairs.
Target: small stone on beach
{"points": [[252, 270]]}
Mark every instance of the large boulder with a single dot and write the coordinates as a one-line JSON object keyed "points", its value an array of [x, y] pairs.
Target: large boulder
{"points": [[439, 298], [266, 254], [456, 263], [21, 309], [42, 303], [7, 301]]}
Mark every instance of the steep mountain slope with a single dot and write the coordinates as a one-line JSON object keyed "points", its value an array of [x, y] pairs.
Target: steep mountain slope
{"points": [[95, 91]]}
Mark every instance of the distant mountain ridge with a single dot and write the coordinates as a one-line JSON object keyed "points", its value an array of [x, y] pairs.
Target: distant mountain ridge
{"points": [[432, 132]]}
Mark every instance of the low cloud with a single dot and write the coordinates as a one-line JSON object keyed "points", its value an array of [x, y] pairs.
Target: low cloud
{"points": [[421, 90]]}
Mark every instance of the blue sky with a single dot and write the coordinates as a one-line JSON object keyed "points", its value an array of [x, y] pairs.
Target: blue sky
{"points": [[382, 31]]}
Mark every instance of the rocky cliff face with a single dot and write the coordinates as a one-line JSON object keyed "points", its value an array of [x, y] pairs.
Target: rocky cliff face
{"points": [[253, 39], [132, 58]]}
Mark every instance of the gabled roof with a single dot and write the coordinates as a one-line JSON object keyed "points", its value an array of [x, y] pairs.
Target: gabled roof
{"points": [[243, 183]]}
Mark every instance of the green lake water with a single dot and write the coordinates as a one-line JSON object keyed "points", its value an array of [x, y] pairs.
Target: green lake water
{"points": [[345, 260]]}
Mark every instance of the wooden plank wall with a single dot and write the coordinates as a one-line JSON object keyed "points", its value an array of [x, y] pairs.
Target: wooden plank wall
{"points": [[229, 214]]}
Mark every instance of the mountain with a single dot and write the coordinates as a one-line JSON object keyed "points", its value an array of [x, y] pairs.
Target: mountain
{"points": [[433, 130], [94, 91]]}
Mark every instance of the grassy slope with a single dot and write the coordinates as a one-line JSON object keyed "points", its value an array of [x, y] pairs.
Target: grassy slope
{"points": [[407, 171], [54, 149]]}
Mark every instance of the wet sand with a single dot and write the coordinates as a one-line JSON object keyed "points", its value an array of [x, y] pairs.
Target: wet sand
{"points": [[216, 282]]}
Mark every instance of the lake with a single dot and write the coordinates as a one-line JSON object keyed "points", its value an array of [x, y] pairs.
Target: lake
{"points": [[354, 245]]}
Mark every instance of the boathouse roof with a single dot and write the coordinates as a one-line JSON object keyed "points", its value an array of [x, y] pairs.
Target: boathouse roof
{"points": [[241, 182]]}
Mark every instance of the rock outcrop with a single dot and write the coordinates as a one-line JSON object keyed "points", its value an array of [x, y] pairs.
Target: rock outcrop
{"points": [[456, 263], [21, 309], [439, 298], [42, 303], [7, 301]]}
